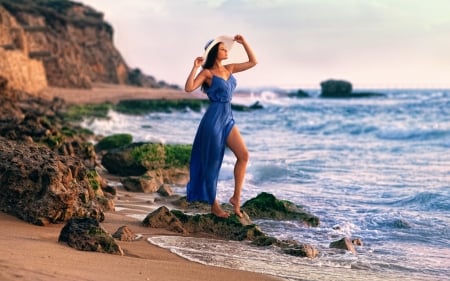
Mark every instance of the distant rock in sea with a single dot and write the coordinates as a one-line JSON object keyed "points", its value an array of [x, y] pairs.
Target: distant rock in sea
{"points": [[343, 89], [299, 94]]}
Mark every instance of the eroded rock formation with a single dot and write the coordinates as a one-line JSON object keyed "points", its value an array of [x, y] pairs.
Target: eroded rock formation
{"points": [[62, 43]]}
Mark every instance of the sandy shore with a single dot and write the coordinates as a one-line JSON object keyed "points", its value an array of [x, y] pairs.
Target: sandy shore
{"points": [[30, 252], [114, 93]]}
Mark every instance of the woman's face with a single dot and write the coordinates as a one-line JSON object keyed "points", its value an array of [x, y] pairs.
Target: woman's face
{"points": [[222, 52]]}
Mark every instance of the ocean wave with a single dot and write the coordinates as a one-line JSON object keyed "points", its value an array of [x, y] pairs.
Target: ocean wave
{"points": [[413, 134], [425, 201]]}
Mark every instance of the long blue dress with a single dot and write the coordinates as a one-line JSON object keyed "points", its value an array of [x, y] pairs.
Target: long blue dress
{"points": [[210, 140]]}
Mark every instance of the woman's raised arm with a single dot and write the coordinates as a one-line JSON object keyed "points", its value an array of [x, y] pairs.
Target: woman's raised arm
{"points": [[237, 67]]}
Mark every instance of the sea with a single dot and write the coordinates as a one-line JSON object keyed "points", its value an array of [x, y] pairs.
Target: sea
{"points": [[374, 168]]}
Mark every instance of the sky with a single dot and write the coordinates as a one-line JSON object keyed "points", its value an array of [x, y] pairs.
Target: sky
{"points": [[298, 43]]}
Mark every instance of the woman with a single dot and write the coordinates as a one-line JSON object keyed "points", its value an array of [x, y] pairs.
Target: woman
{"points": [[217, 129]]}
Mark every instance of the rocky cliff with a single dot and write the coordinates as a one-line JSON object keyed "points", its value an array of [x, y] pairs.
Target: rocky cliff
{"points": [[60, 43]]}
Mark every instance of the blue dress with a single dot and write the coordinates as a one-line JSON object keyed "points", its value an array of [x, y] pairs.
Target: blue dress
{"points": [[210, 140]]}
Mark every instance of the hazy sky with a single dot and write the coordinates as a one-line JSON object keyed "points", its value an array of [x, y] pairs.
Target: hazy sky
{"points": [[298, 43]]}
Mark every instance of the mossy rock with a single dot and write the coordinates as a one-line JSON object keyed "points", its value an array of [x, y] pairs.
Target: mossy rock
{"points": [[227, 228], [267, 206], [79, 112], [114, 141], [140, 107], [155, 155], [86, 234], [137, 158], [231, 228]]}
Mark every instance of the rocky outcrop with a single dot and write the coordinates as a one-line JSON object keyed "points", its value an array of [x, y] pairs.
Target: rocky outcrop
{"points": [[231, 228], [71, 42], [47, 167], [85, 234], [267, 206], [26, 118], [114, 141], [22, 72], [41, 187], [264, 206], [343, 89], [147, 166]]}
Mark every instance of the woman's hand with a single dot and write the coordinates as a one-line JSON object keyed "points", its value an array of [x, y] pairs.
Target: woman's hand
{"points": [[198, 61], [239, 38], [238, 67]]}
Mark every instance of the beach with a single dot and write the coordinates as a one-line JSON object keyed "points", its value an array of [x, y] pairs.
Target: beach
{"points": [[32, 252], [114, 93]]}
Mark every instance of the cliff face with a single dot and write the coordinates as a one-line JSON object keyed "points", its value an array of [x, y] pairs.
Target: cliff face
{"points": [[15, 65], [71, 41]]}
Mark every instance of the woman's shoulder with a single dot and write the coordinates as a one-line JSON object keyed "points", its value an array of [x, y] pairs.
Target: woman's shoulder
{"points": [[206, 73], [230, 67]]}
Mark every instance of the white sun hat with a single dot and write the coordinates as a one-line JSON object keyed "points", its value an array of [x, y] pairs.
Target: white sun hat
{"points": [[228, 41]]}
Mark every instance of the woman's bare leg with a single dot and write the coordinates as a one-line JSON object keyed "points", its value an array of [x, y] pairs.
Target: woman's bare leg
{"points": [[217, 211], [236, 143]]}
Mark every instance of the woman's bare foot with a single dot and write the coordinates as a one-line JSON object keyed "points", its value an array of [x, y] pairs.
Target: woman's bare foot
{"points": [[237, 207], [217, 211]]}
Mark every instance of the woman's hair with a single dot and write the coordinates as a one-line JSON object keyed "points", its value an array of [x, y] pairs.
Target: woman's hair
{"points": [[210, 60]]}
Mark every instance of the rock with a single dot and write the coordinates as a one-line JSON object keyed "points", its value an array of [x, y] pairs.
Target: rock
{"points": [[148, 183], [264, 241], [231, 228], [64, 44], [336, 88], [114, 141], [121, 162], [157, 162], [3, 83], [366, 94], [345, 244], [111, 190], [266, 206], [303, 250], [163, 218], [40, 186], [299, 94], [343, 89], [124, 233], [165, 190], [85, 234], [145, 106], [288, 247], [256, 105], [357, 242]]}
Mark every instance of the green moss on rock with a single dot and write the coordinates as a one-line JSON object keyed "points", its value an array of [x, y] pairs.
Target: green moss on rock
{"points": [[79, 112], [114, 141], [267, 206], [154, 155], [139, 107]]}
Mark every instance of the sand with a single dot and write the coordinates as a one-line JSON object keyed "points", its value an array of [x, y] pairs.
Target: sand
{"points": [[30, 252], [114, 93]]}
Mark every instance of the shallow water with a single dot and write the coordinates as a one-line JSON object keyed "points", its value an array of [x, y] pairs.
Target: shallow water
{"points": [[373, 168]]}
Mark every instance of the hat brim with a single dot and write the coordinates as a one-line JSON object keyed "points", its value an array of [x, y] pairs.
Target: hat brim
{"points": [[228, 41]]}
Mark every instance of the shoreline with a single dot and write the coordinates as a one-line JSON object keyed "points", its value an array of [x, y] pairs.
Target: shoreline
{"points": [[33, 252]]}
